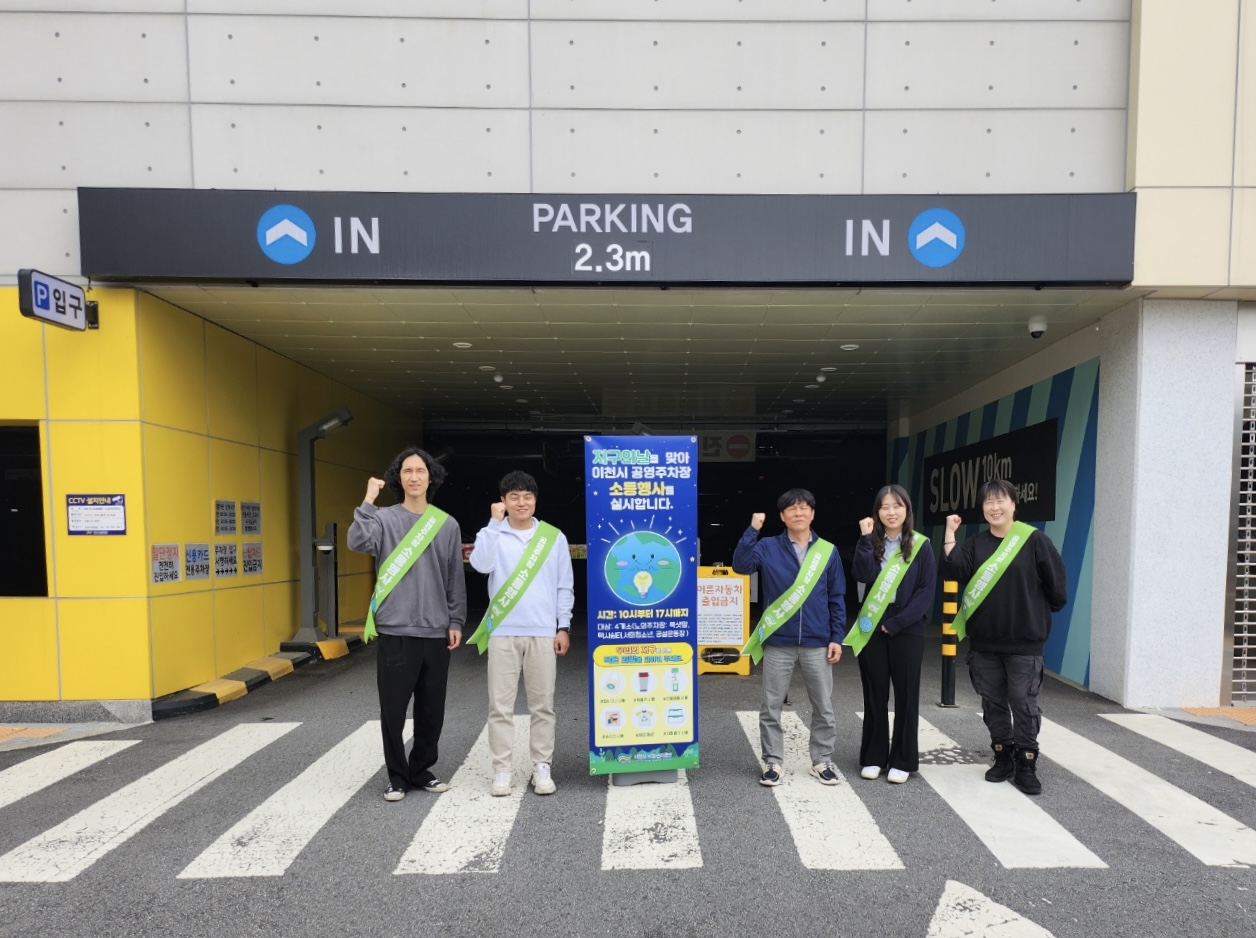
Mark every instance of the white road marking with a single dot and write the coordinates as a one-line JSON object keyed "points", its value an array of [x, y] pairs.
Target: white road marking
{"points": [[467, 829], [650, 826], [1225, 757], [831, 827], [963, 912], [1212, 837], [270, 837], [1019, 833], [62, 852], [26, 778]]}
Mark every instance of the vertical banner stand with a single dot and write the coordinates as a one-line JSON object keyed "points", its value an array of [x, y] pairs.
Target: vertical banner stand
{"points": [[641, 500]]}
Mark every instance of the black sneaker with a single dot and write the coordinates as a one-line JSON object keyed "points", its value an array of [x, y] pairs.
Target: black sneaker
{"points": [[435, 785], [1026, 777], [1003, 766], [771, 776], [393, 793]]}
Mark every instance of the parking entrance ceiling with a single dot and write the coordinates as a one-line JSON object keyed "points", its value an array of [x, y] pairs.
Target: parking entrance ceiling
{"points": [[587, 358]]}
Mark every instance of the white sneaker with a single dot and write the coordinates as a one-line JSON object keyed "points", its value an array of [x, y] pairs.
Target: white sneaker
{"points": [[897, 776], [870, 772], [542, 784], [501, 785]]}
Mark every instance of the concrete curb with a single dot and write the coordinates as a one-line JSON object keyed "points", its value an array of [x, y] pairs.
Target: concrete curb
{"points": [[232, 686]]}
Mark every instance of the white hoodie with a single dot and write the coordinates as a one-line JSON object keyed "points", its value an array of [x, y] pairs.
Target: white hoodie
{"points": [[546, 605]]}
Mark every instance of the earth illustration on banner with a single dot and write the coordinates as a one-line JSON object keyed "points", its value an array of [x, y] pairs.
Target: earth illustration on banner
{"points": [[643, 568]]}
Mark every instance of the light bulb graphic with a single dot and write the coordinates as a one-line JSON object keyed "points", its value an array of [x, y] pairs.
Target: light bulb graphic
{"points": [[642, 582]]}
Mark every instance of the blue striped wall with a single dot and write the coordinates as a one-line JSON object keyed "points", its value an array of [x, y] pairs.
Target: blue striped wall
{"points": [[1072, 397]]}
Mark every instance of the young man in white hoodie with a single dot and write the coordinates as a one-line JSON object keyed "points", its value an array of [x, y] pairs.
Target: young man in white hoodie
{"points": [[530, 587]]}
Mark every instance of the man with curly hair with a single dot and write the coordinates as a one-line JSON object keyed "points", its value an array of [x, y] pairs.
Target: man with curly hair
{"points": [[418, 611]]}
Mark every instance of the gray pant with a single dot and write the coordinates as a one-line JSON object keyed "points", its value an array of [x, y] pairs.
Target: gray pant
{"points": [[1008, 686], [817, 675]]}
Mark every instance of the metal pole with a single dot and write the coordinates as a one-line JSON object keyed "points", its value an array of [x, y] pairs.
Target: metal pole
{"points": [[307, 622], [950, 641]]}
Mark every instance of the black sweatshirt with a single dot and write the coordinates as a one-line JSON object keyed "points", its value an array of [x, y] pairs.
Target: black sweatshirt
{"points": [[1015, 616]]}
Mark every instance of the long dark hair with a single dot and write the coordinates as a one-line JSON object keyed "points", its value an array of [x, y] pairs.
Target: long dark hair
{"points": [[435, 472], [878, 529]]}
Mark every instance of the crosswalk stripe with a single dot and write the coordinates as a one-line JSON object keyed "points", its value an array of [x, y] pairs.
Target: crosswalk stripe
{"points": [[831, 827], [1019, 833], [1212, 837], [269, 838], [467, 829], [1225, 757], [62, 852], [650, 827], [26, 778]]}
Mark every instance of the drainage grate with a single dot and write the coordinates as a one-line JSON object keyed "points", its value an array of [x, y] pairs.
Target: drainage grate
{"points": [[1243, 688]]}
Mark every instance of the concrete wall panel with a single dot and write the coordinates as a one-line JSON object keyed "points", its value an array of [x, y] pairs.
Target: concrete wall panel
{"points": [[365, 62], [413, 9], [360, 149], [686, 151], [41, 231], [997, 65], [784, 66], [92, 57], [994, 151], [70, 143], [1182, 237], [699, 10], [1019, 10]]}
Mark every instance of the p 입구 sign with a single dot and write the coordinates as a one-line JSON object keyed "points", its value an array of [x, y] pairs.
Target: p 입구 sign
{"points": [[55, 301]]}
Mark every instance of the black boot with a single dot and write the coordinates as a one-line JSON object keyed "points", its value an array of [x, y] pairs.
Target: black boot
{"points": [[1026, 778], [1003, 768]]}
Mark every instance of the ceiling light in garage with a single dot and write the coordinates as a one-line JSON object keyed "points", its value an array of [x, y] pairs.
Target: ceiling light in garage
{"points": [[486, 368], [828, 368], [462, 345], [499, 378], [811, 387], [849, 347]]}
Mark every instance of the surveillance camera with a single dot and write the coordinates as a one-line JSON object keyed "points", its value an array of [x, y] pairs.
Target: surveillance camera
{"points": [[1037, 326]]}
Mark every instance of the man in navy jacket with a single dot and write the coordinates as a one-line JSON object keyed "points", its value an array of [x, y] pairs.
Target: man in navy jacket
{"points": [[811, 638]]}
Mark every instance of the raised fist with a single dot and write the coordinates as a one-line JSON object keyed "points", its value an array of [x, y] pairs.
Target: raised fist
{"points": [[373, 487], [865, 525], [498, 511], [952, 523], [757, 519]]}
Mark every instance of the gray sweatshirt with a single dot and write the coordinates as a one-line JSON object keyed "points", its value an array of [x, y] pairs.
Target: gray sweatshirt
{"points": [[432, 596]]}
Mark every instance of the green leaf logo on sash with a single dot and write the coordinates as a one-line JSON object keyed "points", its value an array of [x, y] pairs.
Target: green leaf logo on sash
{"points": [[515, 585], [988, 574], [880, 594], [401, 559], [774, 616]]}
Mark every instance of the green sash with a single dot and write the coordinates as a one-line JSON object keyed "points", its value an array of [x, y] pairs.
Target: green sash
{"points": [[401, 560], [983, 580], [775, 615], [516, 584], [883, 587]]}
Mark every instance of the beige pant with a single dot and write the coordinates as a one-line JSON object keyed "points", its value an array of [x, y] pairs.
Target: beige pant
{"points": [[507, 656]]}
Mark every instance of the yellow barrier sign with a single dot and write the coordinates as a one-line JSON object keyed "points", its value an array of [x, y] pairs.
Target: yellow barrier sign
{"points": [[723, 620]]}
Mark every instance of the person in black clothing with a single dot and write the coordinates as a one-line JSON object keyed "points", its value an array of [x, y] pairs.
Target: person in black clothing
{"points": [[1008, 630], [896, 647]]}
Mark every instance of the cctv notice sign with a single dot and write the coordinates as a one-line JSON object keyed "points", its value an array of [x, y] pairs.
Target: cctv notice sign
{"points": [[95, 514]]}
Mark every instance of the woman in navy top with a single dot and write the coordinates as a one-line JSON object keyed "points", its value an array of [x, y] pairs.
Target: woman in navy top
{"points": [[896, 647]]}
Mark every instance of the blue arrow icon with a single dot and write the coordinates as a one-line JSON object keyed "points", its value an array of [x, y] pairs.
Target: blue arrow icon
{"points": [[286, 234], [936, 237]]}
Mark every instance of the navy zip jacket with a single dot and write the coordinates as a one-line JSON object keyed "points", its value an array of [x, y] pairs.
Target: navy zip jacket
{"points": [[822, 618], [913, 601]]}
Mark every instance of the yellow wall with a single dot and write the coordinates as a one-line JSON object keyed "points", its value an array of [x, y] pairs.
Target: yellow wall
{"points": [[175, 413]]}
